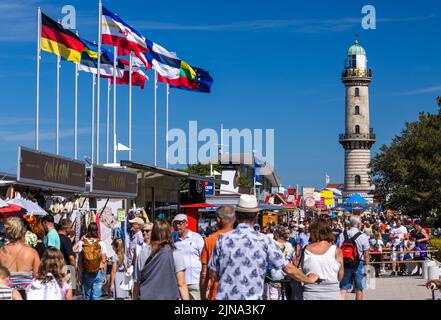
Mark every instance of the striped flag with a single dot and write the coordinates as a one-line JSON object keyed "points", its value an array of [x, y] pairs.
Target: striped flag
{"points": [[138, 77], [138, 60], [166, 63], [201, 82], [89, 61], [116, 32], [57, 40]]}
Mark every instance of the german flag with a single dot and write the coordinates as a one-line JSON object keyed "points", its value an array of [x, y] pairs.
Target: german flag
{"points": [[62, 42]]}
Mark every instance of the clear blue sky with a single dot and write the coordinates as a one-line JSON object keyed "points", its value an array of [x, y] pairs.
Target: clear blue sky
{"points": [[275, 65]]}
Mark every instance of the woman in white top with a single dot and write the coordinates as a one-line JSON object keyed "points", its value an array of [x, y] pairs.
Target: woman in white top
{"points": [[325, 259]]}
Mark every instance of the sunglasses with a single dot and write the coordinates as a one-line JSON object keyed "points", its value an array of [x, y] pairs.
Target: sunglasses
{"points": [[179, 222], [146, 231]]}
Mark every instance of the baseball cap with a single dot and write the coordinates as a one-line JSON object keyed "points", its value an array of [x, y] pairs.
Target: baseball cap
{"points": [[257, 225], [302, 226], [137, 220], [180, 217], [48, 218]]}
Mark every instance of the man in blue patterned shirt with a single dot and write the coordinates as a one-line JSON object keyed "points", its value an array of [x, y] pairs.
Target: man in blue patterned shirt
{"points": [[240, 257]]}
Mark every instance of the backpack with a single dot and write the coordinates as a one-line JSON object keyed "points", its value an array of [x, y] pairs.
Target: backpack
{"points": [[91, 256], [350, 251], [38, 290]]}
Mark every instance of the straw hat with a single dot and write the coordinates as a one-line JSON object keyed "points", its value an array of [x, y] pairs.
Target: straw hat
{"points": [[247, 204]]}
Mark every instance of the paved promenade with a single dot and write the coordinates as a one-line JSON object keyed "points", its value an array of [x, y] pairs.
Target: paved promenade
{"points": [[398, 288]]}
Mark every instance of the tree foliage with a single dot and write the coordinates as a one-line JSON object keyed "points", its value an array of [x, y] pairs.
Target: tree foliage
{"points": [[199, 169], [407, 174]]}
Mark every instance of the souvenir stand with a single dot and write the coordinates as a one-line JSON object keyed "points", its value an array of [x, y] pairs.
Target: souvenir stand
{"points": [[161, 187]]}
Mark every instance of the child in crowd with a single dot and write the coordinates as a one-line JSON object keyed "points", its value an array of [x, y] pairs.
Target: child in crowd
{"points": [[119, 268], [51, 283], [7, 293]]}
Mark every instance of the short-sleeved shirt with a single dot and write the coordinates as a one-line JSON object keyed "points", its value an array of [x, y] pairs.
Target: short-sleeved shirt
{"points": [[92, 241], [207, 251], [398, 235], [303, 240], [137, 240], [362, 241], [143, 256], [66, 248], [240, 259], [52, 239], [190, 248]]}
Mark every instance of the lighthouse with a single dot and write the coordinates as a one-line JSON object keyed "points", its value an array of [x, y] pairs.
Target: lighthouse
{"points": [[359, 137]]}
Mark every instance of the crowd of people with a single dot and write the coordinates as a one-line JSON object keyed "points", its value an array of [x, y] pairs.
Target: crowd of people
{"points": [[316, 258]]}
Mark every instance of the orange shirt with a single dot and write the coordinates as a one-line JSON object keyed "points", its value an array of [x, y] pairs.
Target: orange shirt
{"points": [[207, 251]]}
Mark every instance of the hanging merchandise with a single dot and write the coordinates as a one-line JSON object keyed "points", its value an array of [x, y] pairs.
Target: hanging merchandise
{"points": [[77, 226], [97, 221], [121, 215], [83, 225], [145, 216], [107, 218]]}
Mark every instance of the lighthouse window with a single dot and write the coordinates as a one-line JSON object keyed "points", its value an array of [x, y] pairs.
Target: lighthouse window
{"points": [[357, 92], [357, 129], [357, 179], [357, 110]]}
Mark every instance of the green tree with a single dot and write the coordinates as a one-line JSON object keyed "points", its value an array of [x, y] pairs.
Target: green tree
{"points": [[407, 174], [199, 169]]}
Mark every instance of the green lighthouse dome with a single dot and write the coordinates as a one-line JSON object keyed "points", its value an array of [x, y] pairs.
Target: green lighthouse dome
{"points": [[356, 49]]}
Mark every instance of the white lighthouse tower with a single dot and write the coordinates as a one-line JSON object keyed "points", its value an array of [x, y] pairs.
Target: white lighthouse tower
{"points": [[358, 137]]}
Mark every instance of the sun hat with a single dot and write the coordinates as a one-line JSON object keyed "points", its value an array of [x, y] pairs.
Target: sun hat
{"points": [[137, 220], [180, 217], [247, 204]]}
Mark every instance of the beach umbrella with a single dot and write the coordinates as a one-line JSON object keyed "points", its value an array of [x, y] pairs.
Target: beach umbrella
{"points": [[11, 210], [29, 206], [3, 204]]}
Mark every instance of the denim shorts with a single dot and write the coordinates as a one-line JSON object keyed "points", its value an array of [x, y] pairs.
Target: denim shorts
{"points": [[92, 285], [354, 275]]}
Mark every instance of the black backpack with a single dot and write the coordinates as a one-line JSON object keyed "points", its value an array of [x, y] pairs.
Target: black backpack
{"points": [[350, 251]]}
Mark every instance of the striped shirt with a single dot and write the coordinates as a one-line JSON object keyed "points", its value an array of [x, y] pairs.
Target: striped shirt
{"points": [[21, 281], [5, 293]]}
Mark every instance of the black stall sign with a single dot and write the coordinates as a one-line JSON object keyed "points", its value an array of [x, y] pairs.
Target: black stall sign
{"points": [[110, 181], [47, 170]]}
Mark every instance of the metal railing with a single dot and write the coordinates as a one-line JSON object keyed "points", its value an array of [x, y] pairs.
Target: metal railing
{"points": [[354, 136], [361, 73]]}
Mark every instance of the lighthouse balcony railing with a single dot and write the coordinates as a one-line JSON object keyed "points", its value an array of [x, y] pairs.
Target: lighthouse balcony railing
{"points": [[357, 73], [356, 136]]}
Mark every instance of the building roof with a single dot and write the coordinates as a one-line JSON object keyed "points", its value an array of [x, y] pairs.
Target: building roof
{"points": [[335, 185], [247, 159], [356, 49]]}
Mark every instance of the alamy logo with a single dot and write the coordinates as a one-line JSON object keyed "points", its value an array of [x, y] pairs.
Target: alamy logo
{"points": [[228, 146]]}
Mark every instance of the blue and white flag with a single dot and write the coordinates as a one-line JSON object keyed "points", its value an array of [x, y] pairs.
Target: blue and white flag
{"points": [[117, 33]]}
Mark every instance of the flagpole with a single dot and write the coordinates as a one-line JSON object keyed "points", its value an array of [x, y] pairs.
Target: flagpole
{"points": [[92, 153], [130, 106], [107, 120], [154, 113], [58, 104], [167, 88], [115, 55], [98, 85], [37, 111], [76, 112]]}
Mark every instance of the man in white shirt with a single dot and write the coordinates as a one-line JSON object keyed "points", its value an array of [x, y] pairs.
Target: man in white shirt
{"points": [[397, 236], [190, 245]]}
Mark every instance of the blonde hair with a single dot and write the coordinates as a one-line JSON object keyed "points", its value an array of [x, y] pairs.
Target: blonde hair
{"points": [[14, 229], [52, 262], [118, 247]]}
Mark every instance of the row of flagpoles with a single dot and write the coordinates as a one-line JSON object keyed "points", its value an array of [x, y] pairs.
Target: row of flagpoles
{"points": [[112, 30]]}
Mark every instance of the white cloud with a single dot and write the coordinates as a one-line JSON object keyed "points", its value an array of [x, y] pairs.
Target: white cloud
{"points": [[431, 89], [300, 25], [29, 136]]}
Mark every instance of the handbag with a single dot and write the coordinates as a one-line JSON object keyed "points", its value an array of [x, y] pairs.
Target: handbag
{"points": [[127, 282], [297, 286]]}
